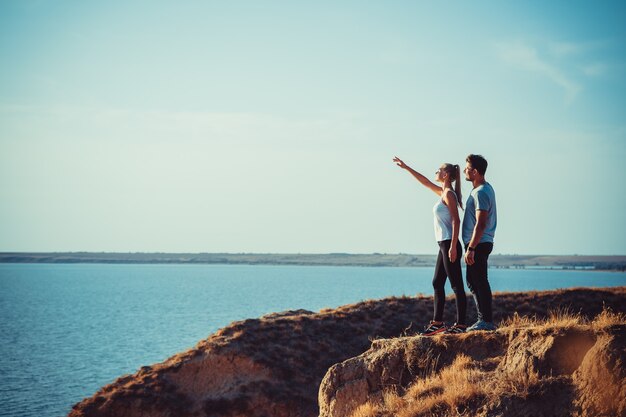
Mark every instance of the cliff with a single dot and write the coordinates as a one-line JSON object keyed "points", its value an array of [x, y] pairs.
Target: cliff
{"points": [[274, 365], [562, 367]]}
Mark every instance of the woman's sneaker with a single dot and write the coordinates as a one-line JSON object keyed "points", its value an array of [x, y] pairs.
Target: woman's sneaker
{"points": [[434, 328], [482, 325], [456, 329]]}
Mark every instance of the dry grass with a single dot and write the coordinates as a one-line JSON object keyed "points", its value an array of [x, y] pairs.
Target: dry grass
{"points": [[560, 318], [450, 392], [393, 401], [366, 410], [449, 389], [564, 318], [519, 383], [607, 319], [458, 388]]}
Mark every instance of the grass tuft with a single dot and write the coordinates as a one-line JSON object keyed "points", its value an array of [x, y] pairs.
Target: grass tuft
{"points": [[608, 318], [559, 318], [366, 410]]}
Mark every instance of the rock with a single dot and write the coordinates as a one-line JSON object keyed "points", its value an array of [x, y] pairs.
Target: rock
{"points": [[601, 377], [273, 366], [546, 371], [394, 364], [547, 351], [270, 366]]}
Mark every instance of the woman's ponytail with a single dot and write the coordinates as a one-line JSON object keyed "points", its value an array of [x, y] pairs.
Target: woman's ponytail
{"points": [[457, 185]]}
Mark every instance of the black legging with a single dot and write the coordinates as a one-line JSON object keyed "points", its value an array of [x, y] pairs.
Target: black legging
{"points": [[478, 282], [446, 269]]}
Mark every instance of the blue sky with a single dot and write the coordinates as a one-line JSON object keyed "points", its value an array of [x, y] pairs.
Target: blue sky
{"points": [[271, 126]]}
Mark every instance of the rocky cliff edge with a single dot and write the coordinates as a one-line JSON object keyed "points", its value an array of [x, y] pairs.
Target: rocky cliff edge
{"points": [[563, 366], [274, 365]]}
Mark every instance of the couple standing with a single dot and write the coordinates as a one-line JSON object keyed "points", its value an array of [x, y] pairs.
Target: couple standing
{"points": [[478, 230]]}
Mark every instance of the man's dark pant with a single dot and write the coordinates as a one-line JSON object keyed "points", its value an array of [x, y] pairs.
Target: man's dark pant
{"points": [[477, 281]]}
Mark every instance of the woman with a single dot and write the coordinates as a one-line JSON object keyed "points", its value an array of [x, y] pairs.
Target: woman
{"points": [[447, 225]]}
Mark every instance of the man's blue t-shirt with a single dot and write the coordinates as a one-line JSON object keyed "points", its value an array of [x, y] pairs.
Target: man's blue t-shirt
{"points": [[481, 198]]}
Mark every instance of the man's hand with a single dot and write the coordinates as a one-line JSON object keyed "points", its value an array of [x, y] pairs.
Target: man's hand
{"points": [[469, 257]]}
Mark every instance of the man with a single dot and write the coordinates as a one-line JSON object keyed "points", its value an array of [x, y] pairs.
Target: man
{"points": [[479, 227]]}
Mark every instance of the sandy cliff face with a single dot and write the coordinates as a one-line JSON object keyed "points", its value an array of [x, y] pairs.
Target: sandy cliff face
{"points": [[549, 369], [270, 366], [273, 366]]}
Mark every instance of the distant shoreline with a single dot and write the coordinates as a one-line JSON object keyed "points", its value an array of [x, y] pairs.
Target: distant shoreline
{"points": [[543, 262]]}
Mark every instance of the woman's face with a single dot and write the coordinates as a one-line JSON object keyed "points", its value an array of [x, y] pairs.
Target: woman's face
{"points": [[441, 174]]}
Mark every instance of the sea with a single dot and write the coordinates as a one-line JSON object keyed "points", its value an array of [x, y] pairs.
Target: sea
{"points": [[68, 329]]}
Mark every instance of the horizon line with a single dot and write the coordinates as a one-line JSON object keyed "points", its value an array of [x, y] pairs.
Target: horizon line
{"points": [[284, 253]]}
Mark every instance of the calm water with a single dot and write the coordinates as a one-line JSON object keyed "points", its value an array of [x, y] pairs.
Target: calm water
{"points": [[69, 329]]}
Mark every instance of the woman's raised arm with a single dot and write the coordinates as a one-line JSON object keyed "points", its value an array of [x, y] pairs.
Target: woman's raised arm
{"points": [[422, 179]]}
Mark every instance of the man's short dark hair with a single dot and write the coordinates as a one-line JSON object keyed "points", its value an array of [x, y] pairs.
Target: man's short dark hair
{"points": [[477, 162]]}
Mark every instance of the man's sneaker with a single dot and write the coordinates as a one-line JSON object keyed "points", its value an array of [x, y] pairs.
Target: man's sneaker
{"points": [[434, 328], [456, 329], [482, 325]]}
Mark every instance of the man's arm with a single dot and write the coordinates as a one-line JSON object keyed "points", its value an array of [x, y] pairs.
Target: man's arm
{"points": [[481, 224]]}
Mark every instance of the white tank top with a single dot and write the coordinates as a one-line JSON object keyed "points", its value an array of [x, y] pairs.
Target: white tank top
{"points": [[443, 220]]}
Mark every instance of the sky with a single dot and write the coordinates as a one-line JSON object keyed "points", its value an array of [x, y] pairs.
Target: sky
{"points": [[270, 127]]}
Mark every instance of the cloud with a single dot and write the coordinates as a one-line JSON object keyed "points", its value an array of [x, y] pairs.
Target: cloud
{"points": [[595, 70], [568, 49], [56, 122], [561, 49], [526, 58], [578, 50]]}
